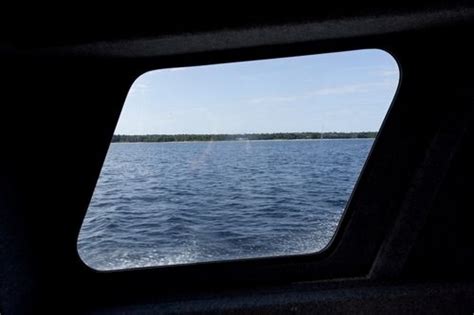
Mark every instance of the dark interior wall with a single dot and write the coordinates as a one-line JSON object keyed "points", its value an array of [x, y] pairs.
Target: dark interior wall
{"points": [[431, 222], [57, 117], [55, 128], [444, 248]]}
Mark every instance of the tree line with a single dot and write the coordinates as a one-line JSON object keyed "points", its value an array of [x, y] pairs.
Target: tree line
{"points": [[250, 136]]}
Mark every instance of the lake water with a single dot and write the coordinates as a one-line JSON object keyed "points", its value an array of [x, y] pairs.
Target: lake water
{"points": [[174, 203]]}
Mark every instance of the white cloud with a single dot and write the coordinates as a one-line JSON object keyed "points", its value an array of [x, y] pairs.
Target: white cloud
{"points": [[324, 91], [386, 73], [176, 69], [274, 99], [344, 89], [138, 88], [141, 86]]}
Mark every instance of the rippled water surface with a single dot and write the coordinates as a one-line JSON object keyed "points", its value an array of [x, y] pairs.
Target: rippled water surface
{"points": [[174, 203]]}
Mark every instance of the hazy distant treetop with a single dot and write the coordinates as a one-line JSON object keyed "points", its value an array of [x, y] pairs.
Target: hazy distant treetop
{"points": [[240, 137]]}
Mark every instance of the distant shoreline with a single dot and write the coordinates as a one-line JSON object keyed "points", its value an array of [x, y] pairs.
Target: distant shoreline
{"points": [[243, 137]]}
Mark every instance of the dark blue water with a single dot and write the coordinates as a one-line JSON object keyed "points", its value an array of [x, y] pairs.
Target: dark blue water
{"points": [[174, 203]]}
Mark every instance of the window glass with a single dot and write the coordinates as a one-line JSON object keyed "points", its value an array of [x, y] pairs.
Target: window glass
{"points": [[239, 160]]}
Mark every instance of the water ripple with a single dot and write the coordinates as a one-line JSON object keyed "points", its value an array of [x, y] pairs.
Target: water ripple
{"points": [[175, 203]]}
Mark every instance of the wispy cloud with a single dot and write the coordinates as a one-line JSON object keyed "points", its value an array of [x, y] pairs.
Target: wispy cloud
{"points": [[386, 73], [176, 69], [324, 91], [274, 99], [141, 86], [341, 90], [138, 88]]}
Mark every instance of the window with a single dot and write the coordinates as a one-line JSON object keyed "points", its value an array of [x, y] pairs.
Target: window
{"points": [[239, 160]]}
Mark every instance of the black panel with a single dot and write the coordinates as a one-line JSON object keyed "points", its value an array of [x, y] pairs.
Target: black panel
{"points": [[57, 118]]}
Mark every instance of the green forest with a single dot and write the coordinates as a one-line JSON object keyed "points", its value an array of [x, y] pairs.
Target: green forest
{"points": [[242, 137]]}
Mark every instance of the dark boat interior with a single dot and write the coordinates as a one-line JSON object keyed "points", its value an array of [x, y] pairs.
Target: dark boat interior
{"points": [[405, 244]]}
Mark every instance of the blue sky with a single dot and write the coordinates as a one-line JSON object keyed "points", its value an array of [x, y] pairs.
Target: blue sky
{"points": [[346, 91]]}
